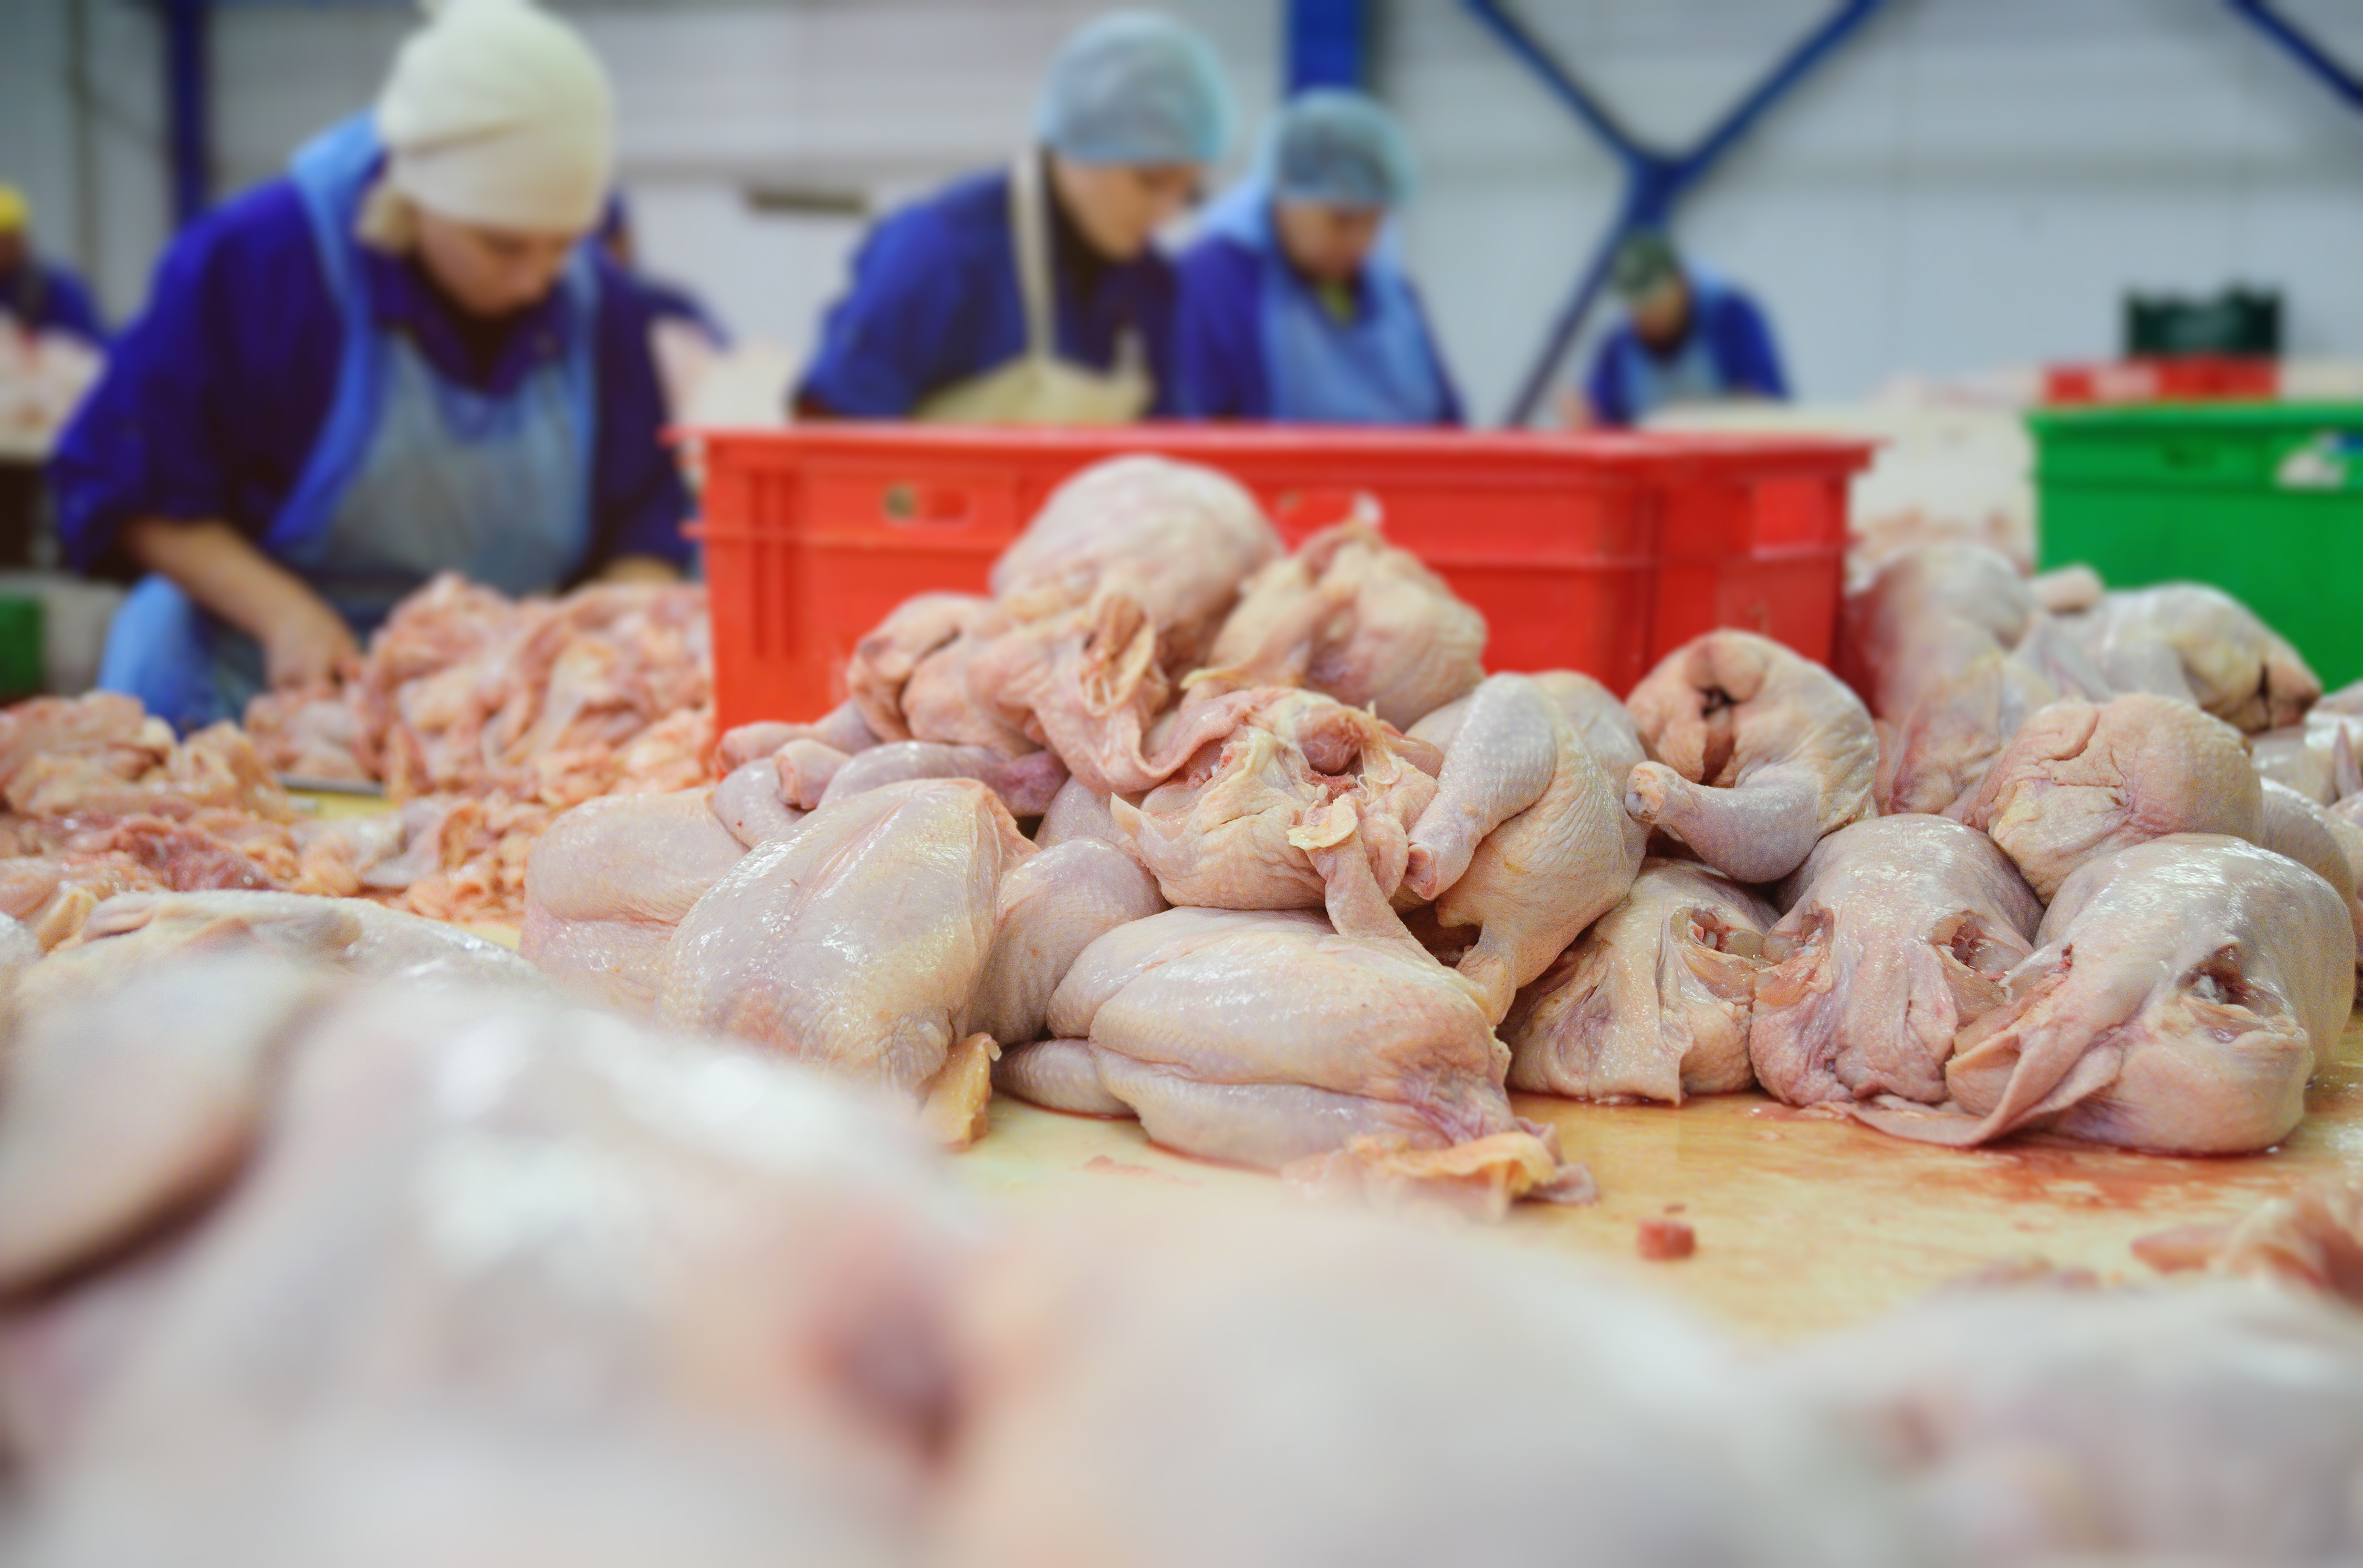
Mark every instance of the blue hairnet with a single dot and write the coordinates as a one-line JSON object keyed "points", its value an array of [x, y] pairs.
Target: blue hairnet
{"points": [[1136, 87], [1339, 148]]}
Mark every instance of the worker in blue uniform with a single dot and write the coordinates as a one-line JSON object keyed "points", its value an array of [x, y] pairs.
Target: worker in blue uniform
{"points": [[1688, 338], [399, 360], [36, 295], [1036, 294], [1294, 306]]}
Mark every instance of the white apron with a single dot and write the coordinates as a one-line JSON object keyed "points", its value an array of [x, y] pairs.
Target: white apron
{"points": [[1038, 387]]}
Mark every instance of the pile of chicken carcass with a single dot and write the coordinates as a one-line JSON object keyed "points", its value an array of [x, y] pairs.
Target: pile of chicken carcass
{"points": [[486, 716], [331, 1236], [1310, 891]]}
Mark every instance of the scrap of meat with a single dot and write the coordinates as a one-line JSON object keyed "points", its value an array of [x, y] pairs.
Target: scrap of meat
{"points": [[1898, 933], [2081, 779], [1354, 618], [608, 884], [1177, 538], [2196, 643], [1759, 753], [2181, 994], [1654, 1001]]}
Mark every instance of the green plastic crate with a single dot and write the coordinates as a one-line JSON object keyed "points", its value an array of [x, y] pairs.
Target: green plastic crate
{"points": [[2265, 500], [22, 662]]}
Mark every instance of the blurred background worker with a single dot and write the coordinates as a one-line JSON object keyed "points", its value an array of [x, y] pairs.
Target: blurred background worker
{"points": [[670, 302], [1294, 306], [1686, 338], [39, 296], [398, 359], [1036, 295]]}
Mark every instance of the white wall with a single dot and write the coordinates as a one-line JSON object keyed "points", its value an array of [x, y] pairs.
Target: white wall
{"points": [[1972, 183]]}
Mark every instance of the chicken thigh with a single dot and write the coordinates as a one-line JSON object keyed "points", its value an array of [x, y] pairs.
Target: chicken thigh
{"points": [[1653, 1001], [608, 884], [2184, 991], [1759, 753], [1356, 618], [1898, 933], [2081, 779], [1524, 842], [856, 944]]}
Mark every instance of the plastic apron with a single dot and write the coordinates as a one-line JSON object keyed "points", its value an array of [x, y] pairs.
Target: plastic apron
{"points": [[1694, 375], [1038, 387], [1379, 369], [412, 474]]}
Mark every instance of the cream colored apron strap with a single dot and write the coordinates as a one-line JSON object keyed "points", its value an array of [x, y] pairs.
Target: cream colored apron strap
{"points": [[1029, 235]]}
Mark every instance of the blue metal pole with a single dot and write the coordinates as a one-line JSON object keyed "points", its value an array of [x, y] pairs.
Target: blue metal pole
{"points": [[188, 117], [2304, 48], [1329, 44], [1654, 180]]}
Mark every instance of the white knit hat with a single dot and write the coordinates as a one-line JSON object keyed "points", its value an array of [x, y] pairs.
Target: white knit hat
{"points": [[497, 113]]}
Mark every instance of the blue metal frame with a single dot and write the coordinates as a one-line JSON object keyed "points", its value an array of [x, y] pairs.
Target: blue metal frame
{"points": [[2303, 48], [1328, 43], [1653, 178]]}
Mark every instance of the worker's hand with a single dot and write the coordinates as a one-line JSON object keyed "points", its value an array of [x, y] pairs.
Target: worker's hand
{"points": [[308, 644]]}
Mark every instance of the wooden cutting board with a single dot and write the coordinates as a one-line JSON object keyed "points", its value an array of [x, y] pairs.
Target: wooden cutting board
{"points": [[1802, 1223]]}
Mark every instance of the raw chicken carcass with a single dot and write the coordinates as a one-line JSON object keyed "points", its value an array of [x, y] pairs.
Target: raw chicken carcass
{"points": [[1050, 908], [1759, 753], [2328, 846], [1079, 811], [2189, 639], [113, 1120], [1025, 784], [608, 883], [1898, 933], [1524, 843], [909, 678], [1088, 684], [567, 1257], [2182, 993], [1177, 538], [1414, 1397], [1653, 1003], [1350, 615], [856, 944], [2081, 779], [1237, 827], [1274, 1042], [133, 931], [2218, 1423], [2317, 757]]}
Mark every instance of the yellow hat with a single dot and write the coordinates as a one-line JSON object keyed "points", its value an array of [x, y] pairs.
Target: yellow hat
{"points": [[16, 212]]}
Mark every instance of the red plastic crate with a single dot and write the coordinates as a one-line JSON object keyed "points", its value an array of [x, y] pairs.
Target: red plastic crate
{"points": [[1593, 552], [2192, 378]]}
